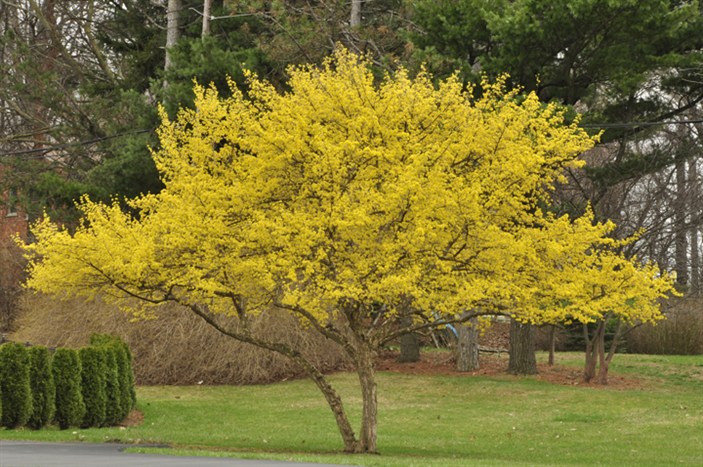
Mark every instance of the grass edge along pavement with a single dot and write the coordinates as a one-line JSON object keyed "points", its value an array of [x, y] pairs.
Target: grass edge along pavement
{"points": [[433, 420]]}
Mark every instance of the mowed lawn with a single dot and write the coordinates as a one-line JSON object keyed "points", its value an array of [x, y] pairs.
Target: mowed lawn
{"points": [[443, 420]]}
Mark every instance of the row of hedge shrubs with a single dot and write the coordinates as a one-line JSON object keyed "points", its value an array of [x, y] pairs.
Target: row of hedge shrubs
{"points": [[90, 387]]}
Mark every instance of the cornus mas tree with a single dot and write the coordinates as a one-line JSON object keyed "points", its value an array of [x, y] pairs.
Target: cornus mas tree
{"points": [[347, 202]]}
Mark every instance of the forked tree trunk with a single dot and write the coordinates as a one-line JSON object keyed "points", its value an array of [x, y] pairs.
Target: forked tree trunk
{"points": [[522, 359], [364, 367], [351, 444], [597, 362], [467, 346], [593, 349]]}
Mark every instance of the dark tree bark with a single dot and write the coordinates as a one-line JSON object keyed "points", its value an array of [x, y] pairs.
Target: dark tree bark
{"points": [[522, 359], [409, 343], [680, 235], [467, 346], [695, 252], [552, 343]]}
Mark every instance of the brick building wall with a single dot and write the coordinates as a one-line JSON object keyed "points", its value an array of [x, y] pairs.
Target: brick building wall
{"points": [[13, 220]]}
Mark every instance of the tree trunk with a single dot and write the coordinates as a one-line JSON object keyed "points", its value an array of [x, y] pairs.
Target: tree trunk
{"points": [[695, 252], [335, 402], [351, 444], [369, 415], [522, 359], [597, 362], [355, 18], [409, 343], [680, 230], [173, 15], [606, 359], [467, 346], [592, 352], [552, 343], [207, 14]]}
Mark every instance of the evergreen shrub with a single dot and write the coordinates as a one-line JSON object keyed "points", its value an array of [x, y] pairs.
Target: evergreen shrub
{"points": [[42, 386], [128, 398], [14, 379], [113, 400], [93, 384], [66, 369]]}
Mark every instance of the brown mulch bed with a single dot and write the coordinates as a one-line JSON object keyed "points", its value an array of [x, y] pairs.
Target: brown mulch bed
{"points": [[135, 418], [442, 363]]}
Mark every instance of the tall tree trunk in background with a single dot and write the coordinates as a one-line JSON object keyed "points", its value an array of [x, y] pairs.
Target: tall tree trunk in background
{"points": [[552, 343], [522, 359], [694, 190], [467, 346], [173, 15], [409, 343], [680, 230], [355, 18], [207, 14]]}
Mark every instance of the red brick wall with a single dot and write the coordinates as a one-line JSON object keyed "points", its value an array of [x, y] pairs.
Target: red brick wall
{"points": [[12, 224]]}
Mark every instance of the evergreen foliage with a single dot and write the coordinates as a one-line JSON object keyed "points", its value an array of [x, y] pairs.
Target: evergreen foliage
{"points": [[129, 385], [66, 368], [114, 413], [14, 379], [125, 373], [93, 385], [42, 385]]}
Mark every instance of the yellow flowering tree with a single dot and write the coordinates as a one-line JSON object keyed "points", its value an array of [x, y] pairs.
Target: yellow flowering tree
{"points": [[345, 202]]}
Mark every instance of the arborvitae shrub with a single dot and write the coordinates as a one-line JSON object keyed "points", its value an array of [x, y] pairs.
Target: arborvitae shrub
{"points": [[113, 402], [129, 376], [93, 382], [14, 379], [41, 381], [66, 368], [128, 398]]}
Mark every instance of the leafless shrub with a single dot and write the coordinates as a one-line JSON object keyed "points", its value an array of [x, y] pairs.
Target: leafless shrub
{"points": [[680, 334], [177, 347]]}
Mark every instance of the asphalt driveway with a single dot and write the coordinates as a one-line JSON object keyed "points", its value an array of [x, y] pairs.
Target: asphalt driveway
{"points": [[31, 454]]}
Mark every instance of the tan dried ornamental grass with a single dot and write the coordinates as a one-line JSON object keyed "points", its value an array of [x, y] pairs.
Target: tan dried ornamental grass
{"points": [[176, 348]]}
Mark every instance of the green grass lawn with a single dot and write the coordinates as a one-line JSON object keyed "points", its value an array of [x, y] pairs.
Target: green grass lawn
{"points": [[436, 420]]}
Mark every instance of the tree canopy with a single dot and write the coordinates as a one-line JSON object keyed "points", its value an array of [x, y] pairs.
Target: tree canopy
{"points": [[346, 200]]}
